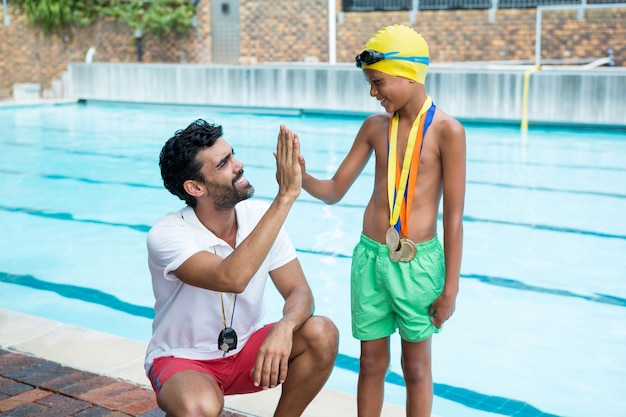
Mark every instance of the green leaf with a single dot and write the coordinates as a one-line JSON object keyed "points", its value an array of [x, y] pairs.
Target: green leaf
{"points": [[157, 17]]}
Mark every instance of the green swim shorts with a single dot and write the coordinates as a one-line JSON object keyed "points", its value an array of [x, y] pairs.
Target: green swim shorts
{"points": [[387, 295]]}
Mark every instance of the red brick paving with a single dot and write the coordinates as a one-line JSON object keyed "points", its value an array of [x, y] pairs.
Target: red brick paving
{"points": [[31, 386]]}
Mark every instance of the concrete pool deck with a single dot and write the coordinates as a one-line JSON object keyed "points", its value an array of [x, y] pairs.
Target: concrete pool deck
{"points": [[45, 363]]}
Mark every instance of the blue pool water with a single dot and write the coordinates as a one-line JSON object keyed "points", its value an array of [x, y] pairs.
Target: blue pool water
{"points": [[540, 326]]}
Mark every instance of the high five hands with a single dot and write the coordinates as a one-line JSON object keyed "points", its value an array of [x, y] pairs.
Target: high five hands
{"points": [[288, 170]]}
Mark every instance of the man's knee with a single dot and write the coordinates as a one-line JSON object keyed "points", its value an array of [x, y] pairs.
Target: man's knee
{"points": [[187, 406], [187, 394], [321, 335]]}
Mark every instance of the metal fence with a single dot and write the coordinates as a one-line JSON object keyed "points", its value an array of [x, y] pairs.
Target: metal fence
{"points": [[375, 5], [391, 5]]}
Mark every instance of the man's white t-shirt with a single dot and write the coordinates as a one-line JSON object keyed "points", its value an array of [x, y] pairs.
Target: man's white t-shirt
{"points": [[189, 319]]}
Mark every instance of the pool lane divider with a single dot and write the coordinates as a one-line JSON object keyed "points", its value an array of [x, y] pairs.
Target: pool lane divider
{"points": [[145, 228], [88, 295]]}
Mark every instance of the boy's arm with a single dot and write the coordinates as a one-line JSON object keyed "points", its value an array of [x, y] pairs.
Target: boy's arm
{"points": [[453, 163], [332, 190]]}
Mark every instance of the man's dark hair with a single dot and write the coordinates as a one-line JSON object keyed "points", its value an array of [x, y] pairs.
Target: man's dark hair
{"points": [[178, 157]]}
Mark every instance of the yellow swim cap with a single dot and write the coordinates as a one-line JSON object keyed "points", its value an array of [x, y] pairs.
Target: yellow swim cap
{"points": [[406, 43]]}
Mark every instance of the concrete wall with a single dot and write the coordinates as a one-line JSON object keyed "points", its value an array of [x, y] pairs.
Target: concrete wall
{"points": [[289, 31], [585, 97]]}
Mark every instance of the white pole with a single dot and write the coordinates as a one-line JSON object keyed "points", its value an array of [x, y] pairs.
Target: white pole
{"points": [[581, 11], [332, 32], [7, 18], [492, 11], [538, 38], [413, 12]]}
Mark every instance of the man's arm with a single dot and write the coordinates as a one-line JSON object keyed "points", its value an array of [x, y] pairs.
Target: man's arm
{"points": [[233, 273], [273, 357]]}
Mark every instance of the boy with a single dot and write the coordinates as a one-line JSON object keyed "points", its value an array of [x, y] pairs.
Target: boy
{"points": [[400, 278]]}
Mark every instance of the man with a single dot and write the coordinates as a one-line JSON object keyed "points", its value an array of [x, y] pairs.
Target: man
{"points": [[209, 264]]}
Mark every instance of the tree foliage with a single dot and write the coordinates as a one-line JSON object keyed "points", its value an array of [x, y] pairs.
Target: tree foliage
{"points": [[148, 16]]}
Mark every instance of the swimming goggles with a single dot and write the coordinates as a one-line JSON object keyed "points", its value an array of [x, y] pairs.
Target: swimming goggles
{"points": [[369, 57]]}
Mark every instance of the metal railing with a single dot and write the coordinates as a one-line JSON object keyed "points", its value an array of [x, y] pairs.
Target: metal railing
{"points": [[375, 5], [391, 5]]}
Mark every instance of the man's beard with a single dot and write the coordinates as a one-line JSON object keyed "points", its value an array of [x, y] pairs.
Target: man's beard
{"points": [[225, 197]]}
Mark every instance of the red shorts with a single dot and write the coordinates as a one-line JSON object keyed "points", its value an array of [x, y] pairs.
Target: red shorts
{"points": [[232, 373]]}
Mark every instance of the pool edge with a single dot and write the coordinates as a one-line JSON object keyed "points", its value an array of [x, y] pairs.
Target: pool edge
{"points": [[122, 358]]}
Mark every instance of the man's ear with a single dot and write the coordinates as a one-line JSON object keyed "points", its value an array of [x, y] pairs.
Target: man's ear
{"points": [[194, 188]]}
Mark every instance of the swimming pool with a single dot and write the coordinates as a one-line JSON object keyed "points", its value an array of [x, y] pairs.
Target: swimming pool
{"points": [[539, 328]]}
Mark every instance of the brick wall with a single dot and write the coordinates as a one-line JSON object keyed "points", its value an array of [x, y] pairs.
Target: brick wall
{"points": [[284, 30], [294, 31], [467, 35]]}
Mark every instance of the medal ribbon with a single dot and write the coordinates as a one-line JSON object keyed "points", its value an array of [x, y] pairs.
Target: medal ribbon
{"points": [[423, 127], [396, 180]]}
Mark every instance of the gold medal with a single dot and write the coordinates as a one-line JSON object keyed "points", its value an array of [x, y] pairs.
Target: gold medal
{"points": [[407, 250], [395, 255], [392, 239]]}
